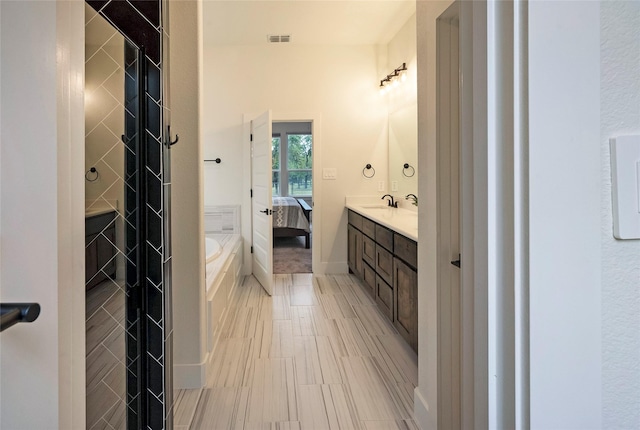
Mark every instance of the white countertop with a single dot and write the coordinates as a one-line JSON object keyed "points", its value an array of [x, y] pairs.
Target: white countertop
{"points": [[403, 221]]}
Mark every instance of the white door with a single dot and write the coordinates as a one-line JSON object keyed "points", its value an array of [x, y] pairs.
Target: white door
{"points": [[261, 202]]}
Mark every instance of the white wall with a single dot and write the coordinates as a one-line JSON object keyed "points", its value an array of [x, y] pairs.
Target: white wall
{"points": [[402, 49], [187, 210], [42, 365], [337, 82], [620, 115], [565, 262]]}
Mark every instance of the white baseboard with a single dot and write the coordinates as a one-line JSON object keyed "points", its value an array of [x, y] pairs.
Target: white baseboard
{"points": [[331, 268], [189, 376], [425, 419]]}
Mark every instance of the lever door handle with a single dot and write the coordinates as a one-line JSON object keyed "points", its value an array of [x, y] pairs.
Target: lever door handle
{"points": [[267, 211], [456, 262]]}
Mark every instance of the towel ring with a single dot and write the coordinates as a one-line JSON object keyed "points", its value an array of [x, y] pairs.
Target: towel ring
{"points": [[368, 167], [408, 168], [91, 172]]}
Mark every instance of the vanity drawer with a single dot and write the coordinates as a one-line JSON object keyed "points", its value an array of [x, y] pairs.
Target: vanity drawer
{"points": [[384, 264], [355, 220], [384, 237], [384, 297], [369, 278], [369, 250], [369, 227], [406, 249]]}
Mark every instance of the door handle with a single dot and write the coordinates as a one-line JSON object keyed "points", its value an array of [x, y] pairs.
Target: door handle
{"points": [[456, 262], [267, 211]]}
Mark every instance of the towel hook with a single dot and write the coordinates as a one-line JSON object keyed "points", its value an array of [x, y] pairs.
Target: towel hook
{"points": [[172, 142], [91, 172], [217, 160], [368, 167]]}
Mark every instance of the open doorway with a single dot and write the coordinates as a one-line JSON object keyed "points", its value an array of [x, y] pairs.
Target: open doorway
{"points": [[292, 190]]}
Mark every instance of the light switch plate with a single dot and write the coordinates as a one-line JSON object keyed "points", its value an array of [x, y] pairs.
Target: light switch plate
{"points": [[329, 173], [394, 185], [625, 186]]}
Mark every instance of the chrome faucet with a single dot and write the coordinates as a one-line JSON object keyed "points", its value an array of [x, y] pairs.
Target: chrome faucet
{"points": [[412, 197], [390, 202]]}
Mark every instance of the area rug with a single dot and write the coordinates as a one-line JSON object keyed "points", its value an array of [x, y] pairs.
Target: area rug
{"points": [[290, 255]]}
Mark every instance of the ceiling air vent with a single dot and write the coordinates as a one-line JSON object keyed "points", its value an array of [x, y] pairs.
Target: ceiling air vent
{"points": [[278, 38]]}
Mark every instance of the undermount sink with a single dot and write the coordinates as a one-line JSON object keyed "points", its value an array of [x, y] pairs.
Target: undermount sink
{"points": [[375, 206]]}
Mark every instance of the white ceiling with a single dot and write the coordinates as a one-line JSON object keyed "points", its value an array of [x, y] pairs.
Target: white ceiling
{"points": [[315, 22]]}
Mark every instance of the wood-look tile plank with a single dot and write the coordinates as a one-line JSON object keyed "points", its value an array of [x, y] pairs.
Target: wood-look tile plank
{"points": [[184, 406], [116, 417], [101, 425], [342, 407], [336, 306], [399, 361], [320, 356], [230, 363], [371, 397], [281, 308], [98, 327], [272, 394], [98, 296], [308, 321], [312, 408], [243, 323], [329, 362], [351, 338], [302, 278], [99, 363], [282, 285], [99, 401], [352, 290], [116, 306], [282, 339], [390, 425], [218, 408], [303, 295], [307, 361], [374, 322], [326, 285]]}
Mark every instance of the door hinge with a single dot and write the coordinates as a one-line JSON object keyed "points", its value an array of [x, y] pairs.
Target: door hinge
{"points": [[251, 192], [252, 249], [251, 137]]}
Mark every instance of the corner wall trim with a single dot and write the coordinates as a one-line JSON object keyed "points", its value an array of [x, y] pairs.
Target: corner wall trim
{"points": [[421, 411], [190, 376]]}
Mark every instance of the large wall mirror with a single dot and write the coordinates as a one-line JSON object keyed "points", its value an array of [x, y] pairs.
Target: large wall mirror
{"points": [[403, 150]]}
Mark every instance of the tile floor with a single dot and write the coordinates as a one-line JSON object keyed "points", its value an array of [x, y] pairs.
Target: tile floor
{"points": [[316, 355], [105, 363]]}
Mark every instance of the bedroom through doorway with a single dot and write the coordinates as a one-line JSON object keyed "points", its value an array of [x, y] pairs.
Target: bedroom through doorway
{"points": [[292, 191]]}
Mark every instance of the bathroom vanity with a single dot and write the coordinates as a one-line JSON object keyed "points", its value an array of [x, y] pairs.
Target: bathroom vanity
{"points": [[100, 237], [383, 254]]}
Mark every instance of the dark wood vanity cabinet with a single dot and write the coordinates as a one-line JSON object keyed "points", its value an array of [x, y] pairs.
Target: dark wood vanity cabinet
{"points": [[405, 301], [386, 262], [100, 237], [355, 250]]}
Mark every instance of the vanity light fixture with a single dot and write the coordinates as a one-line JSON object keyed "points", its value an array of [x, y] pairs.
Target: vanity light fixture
{"points": [[393, 79]]}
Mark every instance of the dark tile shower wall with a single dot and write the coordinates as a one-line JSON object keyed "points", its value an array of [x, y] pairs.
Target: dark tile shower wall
{"points": [[148, 202]]}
